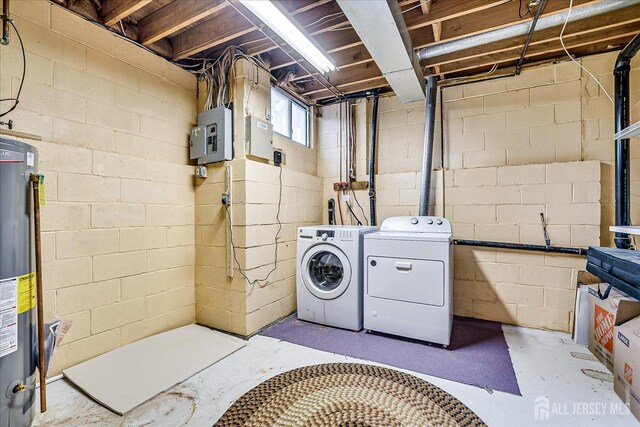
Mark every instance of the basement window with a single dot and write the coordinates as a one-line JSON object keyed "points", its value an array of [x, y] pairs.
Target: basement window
{"points": [[289, 117]]}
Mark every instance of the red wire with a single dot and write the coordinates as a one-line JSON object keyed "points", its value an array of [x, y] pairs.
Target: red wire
{"points": [[340, 208]]}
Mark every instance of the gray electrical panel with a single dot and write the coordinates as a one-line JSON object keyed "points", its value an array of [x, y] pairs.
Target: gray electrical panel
{"points": [[259, 136], [212, 140]]}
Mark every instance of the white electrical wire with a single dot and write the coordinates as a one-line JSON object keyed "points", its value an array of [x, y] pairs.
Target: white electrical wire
{"points": [[573, 59], [215, 74]]}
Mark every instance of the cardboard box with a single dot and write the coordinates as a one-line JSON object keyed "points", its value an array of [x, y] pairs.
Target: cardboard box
{"points": [[627, 364], [604, 315], [581, 311]]}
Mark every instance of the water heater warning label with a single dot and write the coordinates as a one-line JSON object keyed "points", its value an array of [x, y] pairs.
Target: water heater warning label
{"points": [[26, 292], [8, 316]]}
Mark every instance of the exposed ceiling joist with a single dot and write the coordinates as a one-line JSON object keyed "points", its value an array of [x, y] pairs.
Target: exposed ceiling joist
{"points": [[550, 50], [448, 9], [374, 83], [175, 16], [333, 41], [622, 21], [425, 6], [503, 16], [614, 28], [212, 33], [346, 77], [303, 10], [116, 10]]}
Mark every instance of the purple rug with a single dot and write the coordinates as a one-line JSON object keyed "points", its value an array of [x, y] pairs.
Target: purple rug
{"points": [[478, 354]]}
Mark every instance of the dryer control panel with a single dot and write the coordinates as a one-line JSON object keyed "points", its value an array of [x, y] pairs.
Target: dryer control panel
{"points": [[417, 224]]}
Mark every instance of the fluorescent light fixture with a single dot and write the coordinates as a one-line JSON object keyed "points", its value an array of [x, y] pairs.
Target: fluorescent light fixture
{"points": [[274, 18]]}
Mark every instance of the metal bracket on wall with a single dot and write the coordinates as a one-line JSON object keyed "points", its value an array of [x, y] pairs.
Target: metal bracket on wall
{"points": [[229, 208], [547, 240]]}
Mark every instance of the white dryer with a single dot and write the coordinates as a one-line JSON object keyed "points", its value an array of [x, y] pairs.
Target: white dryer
{"points": [[408, 278], [329, 278]]}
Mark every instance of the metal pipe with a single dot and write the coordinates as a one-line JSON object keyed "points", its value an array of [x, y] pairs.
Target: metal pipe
{"points": [[522, 247], [42, 366], [372, 160], [429, 133], [622, 103], [6, 17], [520, 61], [354, 95], [544, 23]]}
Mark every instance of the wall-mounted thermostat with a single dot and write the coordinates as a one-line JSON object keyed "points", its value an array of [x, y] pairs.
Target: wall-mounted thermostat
{"points": [[259, 137], [212, 140]]}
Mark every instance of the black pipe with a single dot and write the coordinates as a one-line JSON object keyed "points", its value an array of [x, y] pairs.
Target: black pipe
{"points": [[372, 160], [429, 133], [622, 151], [522, 247], [6, 17], [354, 95], [520, 61]]}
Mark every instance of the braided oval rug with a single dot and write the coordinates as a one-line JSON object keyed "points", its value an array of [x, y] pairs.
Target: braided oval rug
{"points": [[347, 394]]}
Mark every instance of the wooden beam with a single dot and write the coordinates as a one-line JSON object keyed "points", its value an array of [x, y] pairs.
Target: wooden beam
{"points": [[619, 21], [437, 36], [227, 26], [478, 23], [334, 41], [425, 6], [116, 10], [304, 11], [175, 16], [377, 83], [541, 54], [546, 49], [444, 10], [352, 75]]}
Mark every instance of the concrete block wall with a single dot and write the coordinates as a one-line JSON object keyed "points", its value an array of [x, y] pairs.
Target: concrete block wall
{"points": [[238, 304], [598, 129], [514, 147], [118, 239]]}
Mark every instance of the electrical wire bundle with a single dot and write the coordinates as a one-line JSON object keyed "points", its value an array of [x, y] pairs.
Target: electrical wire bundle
{"points": [[218, 75]]}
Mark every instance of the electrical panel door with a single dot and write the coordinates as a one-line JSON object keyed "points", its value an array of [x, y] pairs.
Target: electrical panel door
{"points": [[212, 140]]}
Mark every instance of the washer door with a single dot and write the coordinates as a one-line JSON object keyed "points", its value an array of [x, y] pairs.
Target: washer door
{"points": [[325, 271]]}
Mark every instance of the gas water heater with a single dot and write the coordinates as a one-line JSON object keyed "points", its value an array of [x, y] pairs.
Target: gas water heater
{"points": [[17, 285]]}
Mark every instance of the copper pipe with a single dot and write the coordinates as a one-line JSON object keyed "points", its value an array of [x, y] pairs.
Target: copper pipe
{"points": [[5, 22], [35, 181]]}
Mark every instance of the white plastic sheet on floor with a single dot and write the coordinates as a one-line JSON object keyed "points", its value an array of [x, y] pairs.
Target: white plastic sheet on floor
{"points": [[131, 375]]}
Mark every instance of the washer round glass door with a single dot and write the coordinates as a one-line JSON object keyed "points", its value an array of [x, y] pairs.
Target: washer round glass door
{"points": [[325, 271]]}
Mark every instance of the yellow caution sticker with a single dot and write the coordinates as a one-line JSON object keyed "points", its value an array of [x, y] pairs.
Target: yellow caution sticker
{"points": [[42, 192], [26, 292]]}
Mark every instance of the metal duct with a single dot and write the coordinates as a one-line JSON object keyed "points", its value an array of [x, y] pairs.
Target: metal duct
{"points": [[429, 133], [381, 27], [545, 22], [622, 173], [372, 160]]}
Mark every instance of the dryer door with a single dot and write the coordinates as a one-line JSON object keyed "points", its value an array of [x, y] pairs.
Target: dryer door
{"points": [[325, 271]]}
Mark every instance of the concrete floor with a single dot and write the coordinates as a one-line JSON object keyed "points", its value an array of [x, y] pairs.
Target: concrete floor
{"points": [[543, 363]]}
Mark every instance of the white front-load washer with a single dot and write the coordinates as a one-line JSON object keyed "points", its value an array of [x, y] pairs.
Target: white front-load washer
{"points": [[329, 280], [408, 278]]}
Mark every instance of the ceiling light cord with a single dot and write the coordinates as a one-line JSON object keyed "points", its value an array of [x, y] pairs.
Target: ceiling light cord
{"points": [[574, 60]]}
